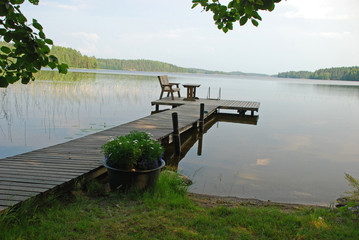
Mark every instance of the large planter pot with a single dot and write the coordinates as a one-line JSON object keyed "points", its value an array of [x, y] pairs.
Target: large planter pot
{"points": [[138, 179]]}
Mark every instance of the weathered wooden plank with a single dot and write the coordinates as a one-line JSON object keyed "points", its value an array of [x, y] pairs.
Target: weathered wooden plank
{"points": [[7, 203], [25, 187], [58, 166], [35, 181], [17, 170], [36, 176], [39, 171], [17, 192], [13, 197], [52, 167]]}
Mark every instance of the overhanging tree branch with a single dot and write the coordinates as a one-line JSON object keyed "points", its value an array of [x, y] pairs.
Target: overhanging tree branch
{"points": [[236, 10], [28, 49]]}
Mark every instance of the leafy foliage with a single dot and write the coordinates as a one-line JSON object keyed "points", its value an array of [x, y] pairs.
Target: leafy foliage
{"points": [[140, 65], [341, 73], [73, 58], [354, 193], [236, 10], [136, 150], [29, 49]]}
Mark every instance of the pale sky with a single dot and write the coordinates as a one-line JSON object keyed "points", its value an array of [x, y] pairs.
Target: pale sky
{"points": [[297, 35]]}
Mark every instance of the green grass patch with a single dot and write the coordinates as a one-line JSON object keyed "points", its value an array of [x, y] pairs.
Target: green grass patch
{"points": [[166, 212]]}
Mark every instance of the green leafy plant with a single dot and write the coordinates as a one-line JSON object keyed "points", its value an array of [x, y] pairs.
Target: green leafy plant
{"points": [[353, 195], [28, 47], [237, 10], [136, 150]]}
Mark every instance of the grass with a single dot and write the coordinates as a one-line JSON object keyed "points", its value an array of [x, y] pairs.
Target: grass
{"points": [[166, 212]]}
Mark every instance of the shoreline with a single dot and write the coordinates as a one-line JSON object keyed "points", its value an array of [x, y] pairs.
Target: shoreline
{"points": [[228, 201]]}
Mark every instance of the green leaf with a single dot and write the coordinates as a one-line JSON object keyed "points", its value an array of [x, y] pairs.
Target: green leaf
{"points": [[25, 80], [254, 22], [62, 68], [36, 25], [230, 26], [243, 20], [3, 82], [45, 49], [10, 78], [52, 65], [49, 41], [8, 37], [2, 31], [5, 49], [256, 15], [225, 30], [194, 5], [241, 11], [249, 9], [271, 7], [53, 58], [220, 25], [35, 2], [259, 2], [42, 35], [17, 1]]}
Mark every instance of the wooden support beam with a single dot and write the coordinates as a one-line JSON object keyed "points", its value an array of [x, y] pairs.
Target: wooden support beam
{"points": [[201, 117], [176, 134]]}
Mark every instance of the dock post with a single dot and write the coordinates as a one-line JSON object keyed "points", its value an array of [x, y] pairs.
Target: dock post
{"points": [[176, 134], [201, 117]]}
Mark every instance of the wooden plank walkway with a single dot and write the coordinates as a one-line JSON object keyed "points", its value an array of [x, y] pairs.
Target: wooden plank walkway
{"points": [[240, 106], [36, 173]]}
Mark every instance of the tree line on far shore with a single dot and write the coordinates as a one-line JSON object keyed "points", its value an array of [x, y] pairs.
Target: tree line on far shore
{"points": [[74, 59], [338, 73]]}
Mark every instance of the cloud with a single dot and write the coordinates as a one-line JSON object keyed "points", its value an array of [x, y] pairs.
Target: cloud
{"points": [[249, 176], [294, 142], [331, 34], [88, 42], [315, 10], [179, 33], [262, 162], [73, 7]]}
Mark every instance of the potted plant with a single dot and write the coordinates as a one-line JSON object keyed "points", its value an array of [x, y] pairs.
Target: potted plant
{"points": [[134, 160]]}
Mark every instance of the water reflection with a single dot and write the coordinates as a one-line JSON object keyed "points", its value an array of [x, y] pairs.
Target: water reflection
{"points": [[305, 141], [58, 107], [190, 138]]}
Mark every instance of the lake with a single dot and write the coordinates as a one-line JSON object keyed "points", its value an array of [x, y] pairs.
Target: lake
{"points": [[306, 137]]}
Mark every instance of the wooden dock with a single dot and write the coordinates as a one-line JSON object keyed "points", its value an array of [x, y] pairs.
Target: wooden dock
{"points": [[37, 173]]}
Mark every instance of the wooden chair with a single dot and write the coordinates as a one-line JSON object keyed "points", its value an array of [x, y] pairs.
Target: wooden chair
{"points": [[170, 88]]}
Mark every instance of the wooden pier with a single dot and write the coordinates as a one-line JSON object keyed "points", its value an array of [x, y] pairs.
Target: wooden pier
{"points": [[47, 170]]}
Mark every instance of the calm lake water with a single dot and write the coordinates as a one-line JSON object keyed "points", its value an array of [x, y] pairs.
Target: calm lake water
{"points": [[306, 138]]}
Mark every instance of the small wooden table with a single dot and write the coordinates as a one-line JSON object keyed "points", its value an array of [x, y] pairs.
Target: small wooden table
{"points": [[191, 91]]}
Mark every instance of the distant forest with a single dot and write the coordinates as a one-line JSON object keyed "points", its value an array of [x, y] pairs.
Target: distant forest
{"points": [[140, 65], [340, 73], [74, 59]]}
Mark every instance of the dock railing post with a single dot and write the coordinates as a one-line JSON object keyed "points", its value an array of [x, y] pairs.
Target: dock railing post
{"points": [[201, 117], [176, 134]]}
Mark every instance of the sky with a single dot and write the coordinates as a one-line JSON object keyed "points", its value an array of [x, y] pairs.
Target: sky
{"points": [[298, 35]]}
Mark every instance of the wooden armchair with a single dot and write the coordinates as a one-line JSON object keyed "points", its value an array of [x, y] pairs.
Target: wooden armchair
{"points": [[170, 88]]}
